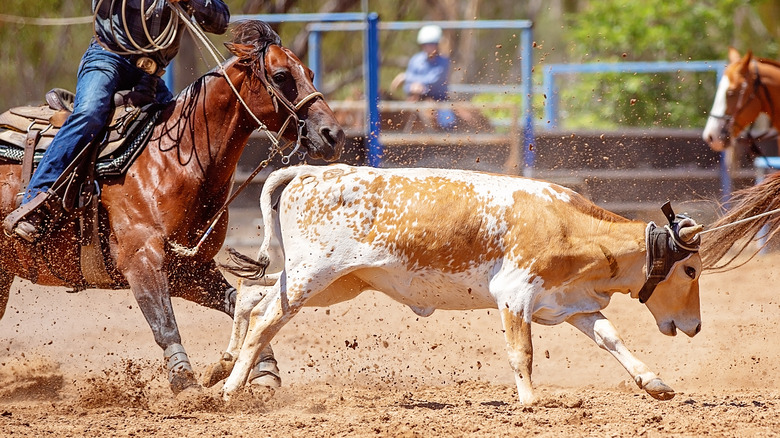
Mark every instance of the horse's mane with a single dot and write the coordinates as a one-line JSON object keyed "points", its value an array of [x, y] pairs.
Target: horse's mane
{"points": [[746, 203], [255, 33], [769, 61]]}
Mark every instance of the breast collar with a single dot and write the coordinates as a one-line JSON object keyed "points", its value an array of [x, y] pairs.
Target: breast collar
{"points": [[665, 248]]}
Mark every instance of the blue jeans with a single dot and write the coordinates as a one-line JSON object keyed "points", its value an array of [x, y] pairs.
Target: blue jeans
{"points": [[101, 74]]}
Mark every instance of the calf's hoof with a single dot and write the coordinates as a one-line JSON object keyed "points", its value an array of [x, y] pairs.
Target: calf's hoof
{"points": [[218, 371], [658, 390]]}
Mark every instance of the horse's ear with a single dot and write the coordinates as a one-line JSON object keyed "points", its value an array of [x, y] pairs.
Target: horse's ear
{"points": [[242, 51], [734, 55]]}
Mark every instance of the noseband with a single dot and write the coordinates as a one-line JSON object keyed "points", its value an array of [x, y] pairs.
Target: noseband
{"points": [[664, 249], [278, 97], [743, 100]]}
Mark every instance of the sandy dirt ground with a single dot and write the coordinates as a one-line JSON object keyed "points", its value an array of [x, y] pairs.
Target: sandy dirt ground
{"points": [[86, 364]]}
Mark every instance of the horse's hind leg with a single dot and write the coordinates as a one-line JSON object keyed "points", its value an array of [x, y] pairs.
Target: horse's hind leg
{"points": [[6, 280], [207, 286]]}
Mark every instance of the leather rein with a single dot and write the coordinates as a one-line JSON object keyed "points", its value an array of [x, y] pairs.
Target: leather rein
{"points": [[278, 98]]}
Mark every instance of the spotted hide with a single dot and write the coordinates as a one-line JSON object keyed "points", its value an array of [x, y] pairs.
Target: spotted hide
{"points": [[451, 239]]}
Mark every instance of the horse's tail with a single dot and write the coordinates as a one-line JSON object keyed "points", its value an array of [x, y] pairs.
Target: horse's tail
{"points": [[746, 203]]}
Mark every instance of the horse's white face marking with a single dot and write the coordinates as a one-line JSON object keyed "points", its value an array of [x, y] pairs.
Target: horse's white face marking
{"points": [[712, 133]]}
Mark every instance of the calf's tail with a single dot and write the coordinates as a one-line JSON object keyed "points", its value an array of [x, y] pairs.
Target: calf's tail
{"points": [[244, 266]]}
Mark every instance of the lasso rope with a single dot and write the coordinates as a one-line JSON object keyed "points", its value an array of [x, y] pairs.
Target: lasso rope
{"points": [[166, 38], [742, 221]]}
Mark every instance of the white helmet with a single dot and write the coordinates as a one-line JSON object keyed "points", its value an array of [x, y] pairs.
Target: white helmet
{"points": [[429, 34]]}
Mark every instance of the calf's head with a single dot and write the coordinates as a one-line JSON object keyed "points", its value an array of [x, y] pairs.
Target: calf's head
{"points": [[674, 267]]}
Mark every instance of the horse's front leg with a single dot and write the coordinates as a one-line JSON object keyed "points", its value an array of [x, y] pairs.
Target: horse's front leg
{"points": [[144, 270]]}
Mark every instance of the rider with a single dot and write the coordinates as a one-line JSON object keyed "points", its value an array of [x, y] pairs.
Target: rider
{"points": [[112, 62], [428, 72]]}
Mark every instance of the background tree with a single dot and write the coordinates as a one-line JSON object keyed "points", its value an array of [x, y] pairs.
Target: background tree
{"points": [[34, 59]]}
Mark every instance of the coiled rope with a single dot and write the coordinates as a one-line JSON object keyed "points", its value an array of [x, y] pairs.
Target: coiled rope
{"points": [[165, 39]]}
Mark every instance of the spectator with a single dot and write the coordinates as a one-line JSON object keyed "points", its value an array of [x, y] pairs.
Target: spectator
{"points": [[427, 74]]}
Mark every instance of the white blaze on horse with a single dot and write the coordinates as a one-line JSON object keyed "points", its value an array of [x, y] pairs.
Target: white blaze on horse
{"points": [[745, 102], [457, 240]]}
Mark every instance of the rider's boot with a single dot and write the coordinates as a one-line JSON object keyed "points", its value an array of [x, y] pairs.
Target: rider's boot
{"points": [[29, 221]]}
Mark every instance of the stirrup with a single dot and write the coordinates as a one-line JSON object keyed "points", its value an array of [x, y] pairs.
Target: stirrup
{"points": [[13, 218], [40, 204]]}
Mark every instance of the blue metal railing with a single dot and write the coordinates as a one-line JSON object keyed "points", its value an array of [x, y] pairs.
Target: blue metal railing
{"points": [[525, 50], [552, 70]]}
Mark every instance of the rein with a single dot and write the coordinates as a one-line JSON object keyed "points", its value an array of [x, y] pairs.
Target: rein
{"points": [[276, 96]]}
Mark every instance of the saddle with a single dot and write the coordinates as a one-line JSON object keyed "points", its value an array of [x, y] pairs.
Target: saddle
{"points": [[25, 134], [32, 129]]}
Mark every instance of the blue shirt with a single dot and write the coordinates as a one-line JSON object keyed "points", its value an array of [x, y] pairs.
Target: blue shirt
{"points": [[213, 15], [431, 72]]}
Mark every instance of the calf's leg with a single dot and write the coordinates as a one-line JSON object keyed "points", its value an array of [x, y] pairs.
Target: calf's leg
{"points": [[246, 299], [598, 328], [517, 331]]}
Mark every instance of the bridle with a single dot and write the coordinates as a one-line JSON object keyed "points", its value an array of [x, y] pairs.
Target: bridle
{"points": [[742, 102], [665, 248], [277, 97]]}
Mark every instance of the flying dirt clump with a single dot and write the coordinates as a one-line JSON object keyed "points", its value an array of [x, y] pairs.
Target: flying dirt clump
{"points": [[30, 378]]}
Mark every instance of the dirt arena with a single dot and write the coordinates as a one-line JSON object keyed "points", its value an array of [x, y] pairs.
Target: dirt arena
{"points": [[86, 365]]}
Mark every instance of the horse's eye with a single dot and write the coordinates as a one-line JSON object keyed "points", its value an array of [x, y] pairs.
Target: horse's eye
{"points": [[280, 77], [690, 271]]}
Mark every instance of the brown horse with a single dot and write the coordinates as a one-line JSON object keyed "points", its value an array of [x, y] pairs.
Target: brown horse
{"points": [[748, 92], [749, 88], [176, 186]]}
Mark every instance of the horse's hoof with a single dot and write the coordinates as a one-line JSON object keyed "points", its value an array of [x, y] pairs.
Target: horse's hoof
{"points": [[658, 390], [267, 380], [216, 372], [182, 381]]}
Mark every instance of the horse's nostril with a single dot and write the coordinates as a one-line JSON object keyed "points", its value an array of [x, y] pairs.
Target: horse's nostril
{"points": [[329, 136], [698, 329]]}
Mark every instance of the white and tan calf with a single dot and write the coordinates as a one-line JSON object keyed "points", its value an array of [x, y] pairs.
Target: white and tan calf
{"points": [[450, 239]]}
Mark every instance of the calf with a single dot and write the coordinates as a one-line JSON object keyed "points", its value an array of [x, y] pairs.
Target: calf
{"points": [[452, 239]]}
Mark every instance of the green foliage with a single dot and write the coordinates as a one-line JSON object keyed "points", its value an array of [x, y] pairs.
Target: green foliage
{"points": [[651, 30]]}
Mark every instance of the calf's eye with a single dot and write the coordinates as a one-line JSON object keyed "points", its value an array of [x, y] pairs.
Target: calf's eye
{"points": [[690, 271]]}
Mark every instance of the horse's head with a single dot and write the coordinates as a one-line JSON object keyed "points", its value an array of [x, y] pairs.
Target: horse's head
{"points": [[738, 102], [281, 92]]}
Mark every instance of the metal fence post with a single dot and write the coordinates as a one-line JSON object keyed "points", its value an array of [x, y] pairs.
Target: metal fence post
{"points": [[315, 57], [526, 66], [373, 146]]}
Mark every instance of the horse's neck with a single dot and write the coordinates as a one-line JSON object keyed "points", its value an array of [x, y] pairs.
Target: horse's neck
{"points": [[216, 127], [770, 78]]}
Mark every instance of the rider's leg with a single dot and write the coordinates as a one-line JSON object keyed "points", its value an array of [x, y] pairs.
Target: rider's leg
{"points": [[100, 74]]}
